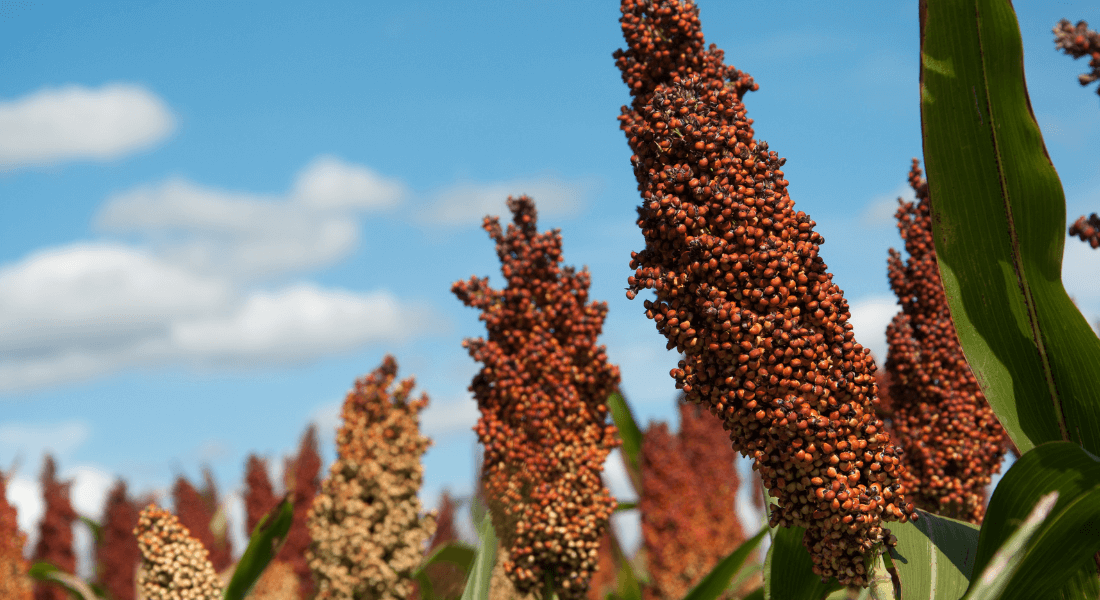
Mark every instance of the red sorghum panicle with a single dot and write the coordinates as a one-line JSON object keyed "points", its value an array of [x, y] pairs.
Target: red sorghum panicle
{"points": [[259, 495], [689, 490], [368, 533], [304, 481], [1078, 41], [15, 584], [742, 291], [174, 565], [951, 439], [1087, 229], [55, 532], [117, 552], [195, 510], [542, 392]]}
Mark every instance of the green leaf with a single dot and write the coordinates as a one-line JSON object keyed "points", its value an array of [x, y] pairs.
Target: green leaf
{"points": [[267, 538], [788, 569], [48, 573], [999, 219], [757, 594], [94, 527], [631, 436], [455, 553], [477, 584], [1006, 562], [934, 558], [1060, 553], [718, 580], [620, 506]]}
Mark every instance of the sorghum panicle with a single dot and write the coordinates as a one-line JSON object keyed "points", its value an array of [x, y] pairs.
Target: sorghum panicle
{"points": [[259, 495], [1087, 229], [55, 531], [952, 441], [305, 481], [743, 293], [1078, 41], [689, 490], [195, 509], [175, 566], [278, 582], [117, 552], [542, 392], [367, 530], [15, 584]]}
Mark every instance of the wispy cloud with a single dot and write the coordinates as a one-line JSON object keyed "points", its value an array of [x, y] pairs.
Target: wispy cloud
{"points": [[74, 122], [870, 316], [465, 204]]}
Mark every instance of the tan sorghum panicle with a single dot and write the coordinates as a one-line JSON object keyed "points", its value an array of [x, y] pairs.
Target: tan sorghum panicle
{"points": [[15, 584], [542, 393], [742, 291], [1087, 229], [278, 582], [500, 584], [1078, 41], [952, 441], [689, 491], [175, 566], [195, 509], [368, 533]]}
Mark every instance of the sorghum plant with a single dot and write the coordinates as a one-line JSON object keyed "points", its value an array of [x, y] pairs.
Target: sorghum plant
{"points": [[195, 510], [953, 442], [1087, 229], [743, 293], [304, 478], [367, 530], [1078, 41], [14, 582], [689, 490], [279, 582], [542, 392], [259, 496], [117, 552], [55, 531], [174, 564]]}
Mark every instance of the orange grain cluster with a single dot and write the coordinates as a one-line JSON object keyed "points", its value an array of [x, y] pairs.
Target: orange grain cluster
{"points": [[15, 584], [367, 531], [1077, 41], [953, 442], [175, 565], [542, 393], [1087, 229], [742, 291], [689, 490]]}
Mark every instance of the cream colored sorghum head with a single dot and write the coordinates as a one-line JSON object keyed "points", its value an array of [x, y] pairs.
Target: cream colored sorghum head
{"points": [[279, 582], [368, 533], [174, 564]]}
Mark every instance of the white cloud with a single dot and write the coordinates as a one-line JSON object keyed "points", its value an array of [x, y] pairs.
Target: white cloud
{"points": [[870, 316], [298, 322], [881, 209], [86, 310], [450, 416], [330, 183], [465, 204], [75, 122]]}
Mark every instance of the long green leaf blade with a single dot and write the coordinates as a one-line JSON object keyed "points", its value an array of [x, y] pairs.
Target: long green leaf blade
{"points": [[1060, 553], [477, 584], [999, 222], [267, 538], [715, 583], [934, 558], [630, 435], [788, 569], [1004, 564]]}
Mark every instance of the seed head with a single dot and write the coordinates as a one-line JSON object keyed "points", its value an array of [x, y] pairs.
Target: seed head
{"points": [[743, 293], [542, 392], [367, 530], [1087, 229], [14, 581], [1078, 41], [175, 566]]}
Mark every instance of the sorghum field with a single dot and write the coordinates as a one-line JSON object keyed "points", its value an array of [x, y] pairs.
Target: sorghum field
{"points": [[874, 473]]}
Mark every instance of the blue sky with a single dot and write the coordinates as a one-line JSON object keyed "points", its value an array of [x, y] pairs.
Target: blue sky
{"points": [[215, 216]]}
